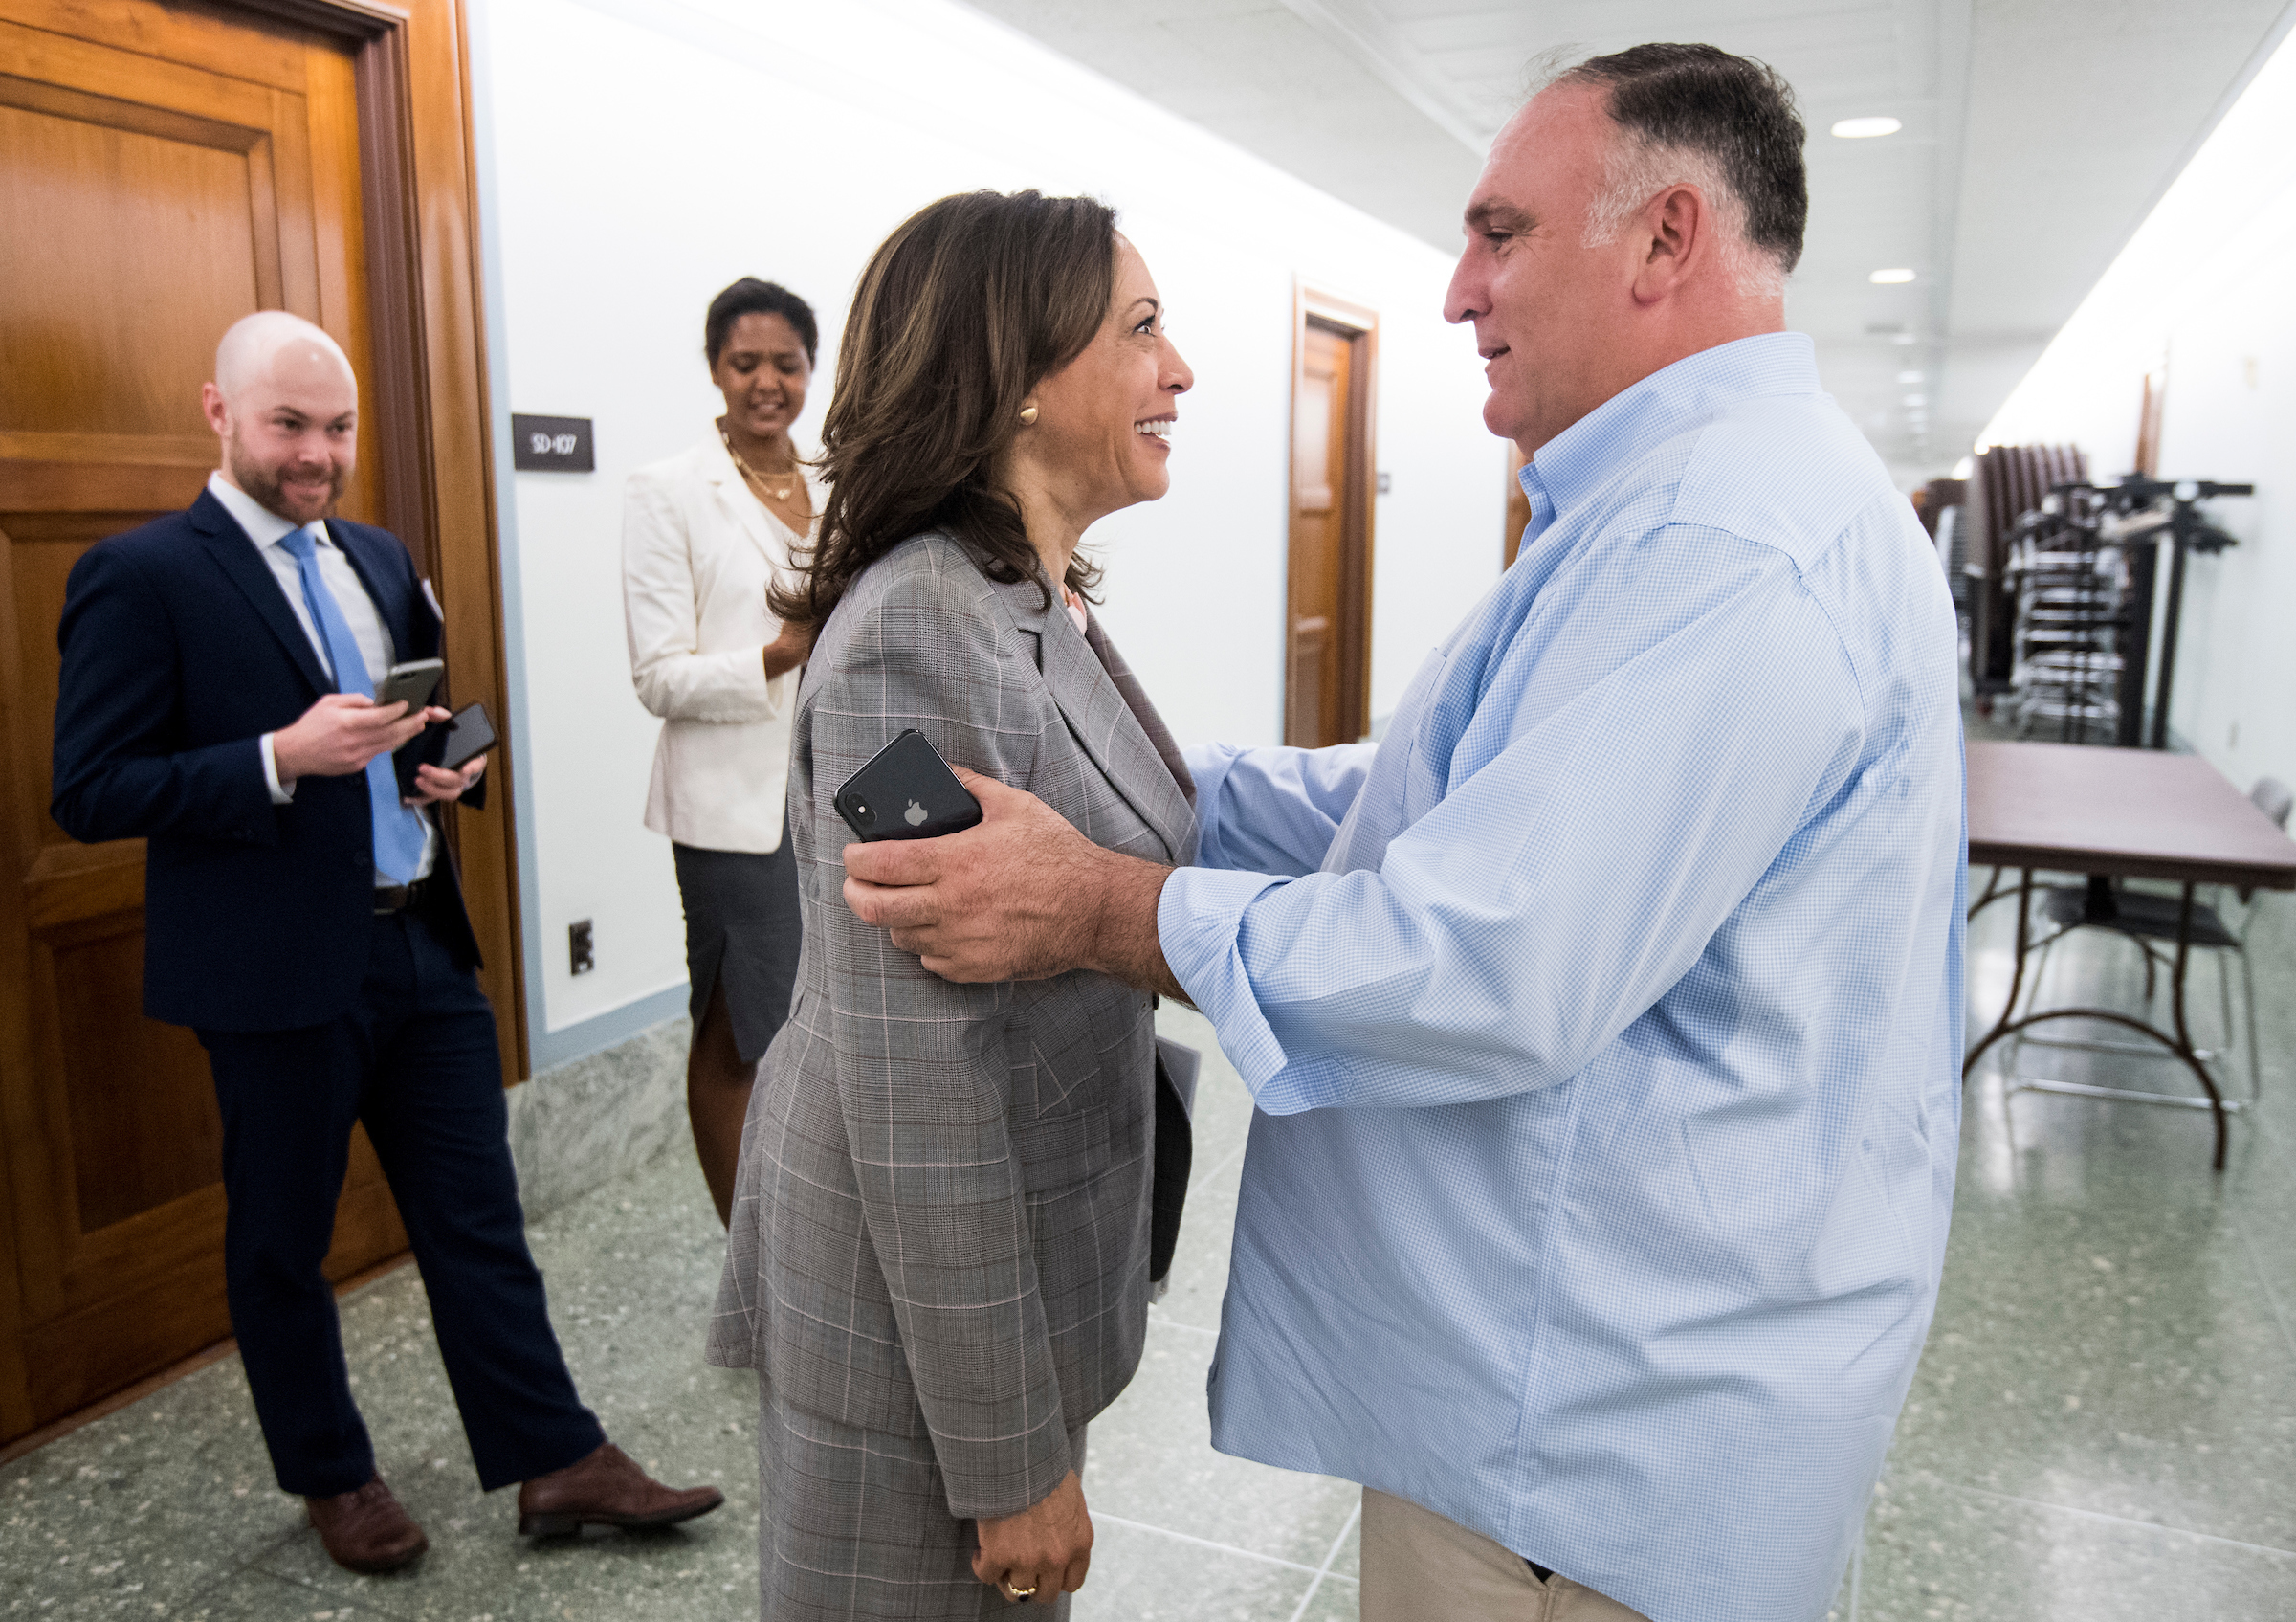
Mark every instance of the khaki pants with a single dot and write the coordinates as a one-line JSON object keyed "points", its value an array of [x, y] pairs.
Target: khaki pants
{"points": [[1417, 1567]]}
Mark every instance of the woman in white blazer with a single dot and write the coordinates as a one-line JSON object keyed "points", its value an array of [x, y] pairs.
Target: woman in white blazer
{"points": [[703, 535]]}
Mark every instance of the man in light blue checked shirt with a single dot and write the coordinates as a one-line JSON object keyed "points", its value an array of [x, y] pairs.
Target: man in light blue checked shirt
{"points": [[1605, 1019]]}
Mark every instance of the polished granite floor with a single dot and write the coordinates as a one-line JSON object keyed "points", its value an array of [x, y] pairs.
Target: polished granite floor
{"points": [[2104, 1426]]}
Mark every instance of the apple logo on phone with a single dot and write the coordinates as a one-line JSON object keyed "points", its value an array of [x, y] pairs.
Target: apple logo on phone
{"points": [[914, 815]]}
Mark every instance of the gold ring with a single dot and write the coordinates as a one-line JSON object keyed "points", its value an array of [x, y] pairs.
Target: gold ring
{"points": [[1019, 1592]]}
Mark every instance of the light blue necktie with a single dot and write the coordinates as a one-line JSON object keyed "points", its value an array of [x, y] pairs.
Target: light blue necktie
{"points": [[400, 831]]}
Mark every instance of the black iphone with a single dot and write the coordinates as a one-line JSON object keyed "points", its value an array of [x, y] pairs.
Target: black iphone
{"points": [[906, 791], [469, 735]]}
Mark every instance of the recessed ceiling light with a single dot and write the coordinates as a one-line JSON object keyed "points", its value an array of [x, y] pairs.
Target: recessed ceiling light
{"points": [[1909, 377], [1866, 129], [1915, 400], [1903, 338], [1891, 277]]}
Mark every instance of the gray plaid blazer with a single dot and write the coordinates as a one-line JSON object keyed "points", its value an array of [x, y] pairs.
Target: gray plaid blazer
{"points": [[941, 1225]]}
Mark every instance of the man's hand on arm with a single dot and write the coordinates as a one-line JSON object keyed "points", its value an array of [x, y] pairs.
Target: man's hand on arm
{"points": [[340, 734], [1021, 896], [1044, 1551]]}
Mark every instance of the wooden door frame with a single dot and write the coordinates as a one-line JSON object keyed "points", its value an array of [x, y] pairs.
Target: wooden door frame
{"points": [[1360, 322], [1519, 508], [428, 395]]}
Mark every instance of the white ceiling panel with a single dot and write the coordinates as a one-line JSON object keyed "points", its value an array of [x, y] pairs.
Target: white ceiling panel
{"points": [[2036, 135]]}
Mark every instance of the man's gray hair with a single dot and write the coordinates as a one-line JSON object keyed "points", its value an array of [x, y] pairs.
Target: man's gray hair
{"points": [[1697, 116]]}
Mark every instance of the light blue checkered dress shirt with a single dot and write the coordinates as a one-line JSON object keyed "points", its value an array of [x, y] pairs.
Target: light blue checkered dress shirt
{"points": [[1607, 1026]]}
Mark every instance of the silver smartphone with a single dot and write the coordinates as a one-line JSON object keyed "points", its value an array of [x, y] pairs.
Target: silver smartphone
{"points": [[412, 683]]}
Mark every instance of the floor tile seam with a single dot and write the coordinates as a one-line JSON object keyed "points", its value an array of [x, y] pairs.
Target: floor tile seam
{"points": [[2257, 1267], [361, 1604], [1206, 1543], [229, 1573], [269, 1552], [278, 1546], [1217, 1166], [2263, 1121], [1170, 1323], [2109, 1518], [1329, 1555]]}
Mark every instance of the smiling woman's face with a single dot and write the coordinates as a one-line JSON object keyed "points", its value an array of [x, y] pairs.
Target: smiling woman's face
{"points": [[1104, 420], [762, 374]]}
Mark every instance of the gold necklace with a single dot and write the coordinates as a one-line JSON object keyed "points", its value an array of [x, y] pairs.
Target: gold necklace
{"points": [[753, 475]]}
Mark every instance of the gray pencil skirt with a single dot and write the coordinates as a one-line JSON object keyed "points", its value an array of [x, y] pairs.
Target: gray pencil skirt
{"points": [[743, 928], [855, 1524]]}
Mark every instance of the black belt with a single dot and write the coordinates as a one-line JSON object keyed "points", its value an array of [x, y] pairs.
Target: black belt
{"points": [[398, 897]]}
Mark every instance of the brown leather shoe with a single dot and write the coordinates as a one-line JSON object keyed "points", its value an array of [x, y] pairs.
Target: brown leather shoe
{"points": [[367, 1530], [606, 1489]]}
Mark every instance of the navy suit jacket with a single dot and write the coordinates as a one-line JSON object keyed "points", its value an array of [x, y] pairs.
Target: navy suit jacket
{"points": [[180, 651]]}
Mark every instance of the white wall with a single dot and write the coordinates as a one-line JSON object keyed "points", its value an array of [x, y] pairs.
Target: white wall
{"points": [[2201, 293], [639, 154]]}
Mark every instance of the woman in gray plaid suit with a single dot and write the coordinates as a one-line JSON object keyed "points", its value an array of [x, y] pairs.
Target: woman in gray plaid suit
{"points": [[953, 1200]]}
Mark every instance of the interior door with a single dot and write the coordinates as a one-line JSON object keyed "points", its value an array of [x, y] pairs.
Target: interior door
{"points": [[162, 172], [1327, 620], [1519, 508], [1319, 492]]}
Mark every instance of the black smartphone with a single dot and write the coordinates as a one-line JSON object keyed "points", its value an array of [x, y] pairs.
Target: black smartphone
{"points": [[906, 791], [411, 683], [469, 735]]}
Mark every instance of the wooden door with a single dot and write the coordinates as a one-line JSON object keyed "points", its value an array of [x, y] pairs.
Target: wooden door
{"points": [[1326, 625], [162, 172], [1519, 508]]}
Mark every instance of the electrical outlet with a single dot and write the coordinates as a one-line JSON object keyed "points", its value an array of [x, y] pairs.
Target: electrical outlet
{"points": [[581, 958]]}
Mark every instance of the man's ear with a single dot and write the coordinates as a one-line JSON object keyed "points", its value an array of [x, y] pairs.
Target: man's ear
{"points": [[1675, 231], [214, 407]]}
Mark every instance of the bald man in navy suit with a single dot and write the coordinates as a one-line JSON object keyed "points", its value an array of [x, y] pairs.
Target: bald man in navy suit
{"points": [[302, 915]]}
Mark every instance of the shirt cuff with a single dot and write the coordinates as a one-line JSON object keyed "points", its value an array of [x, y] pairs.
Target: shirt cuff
{"points": [[1197, 920], [271, 774]]}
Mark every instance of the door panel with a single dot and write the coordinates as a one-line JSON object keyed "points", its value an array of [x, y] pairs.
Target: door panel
{"points": [[1519, 508], [1324, 489], [183, 171], [143, 1126]]}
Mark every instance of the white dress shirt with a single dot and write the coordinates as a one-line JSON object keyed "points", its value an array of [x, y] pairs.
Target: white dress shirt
{"points": [[698, 551], [267, 529]]}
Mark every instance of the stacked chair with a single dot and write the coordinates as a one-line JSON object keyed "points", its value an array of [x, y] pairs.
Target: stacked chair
{"points": [[2007, 484], [2069, 588]]}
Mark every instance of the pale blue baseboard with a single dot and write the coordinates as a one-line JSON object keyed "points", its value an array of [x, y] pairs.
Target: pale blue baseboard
{"points": [[548, 1050]]}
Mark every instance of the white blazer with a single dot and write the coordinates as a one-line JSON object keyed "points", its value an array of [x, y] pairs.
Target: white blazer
{"points": [[697, 553]]}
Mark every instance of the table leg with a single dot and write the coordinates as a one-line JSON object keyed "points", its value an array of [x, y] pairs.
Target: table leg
{"points": [[2184, 1035], [2017, 973], [2181, 1045]]}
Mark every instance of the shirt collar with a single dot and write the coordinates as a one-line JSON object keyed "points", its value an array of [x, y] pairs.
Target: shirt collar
{"points": [[1635, 419], [263, 527]]}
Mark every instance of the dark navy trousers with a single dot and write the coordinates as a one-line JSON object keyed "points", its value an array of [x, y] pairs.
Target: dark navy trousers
{"points": [[415, 1061]]}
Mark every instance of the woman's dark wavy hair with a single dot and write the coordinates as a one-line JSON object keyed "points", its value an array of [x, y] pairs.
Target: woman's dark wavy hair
{"points": [[961, 312]]}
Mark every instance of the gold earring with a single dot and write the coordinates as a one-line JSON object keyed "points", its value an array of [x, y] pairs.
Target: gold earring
{"points": [[1028, 416]]}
